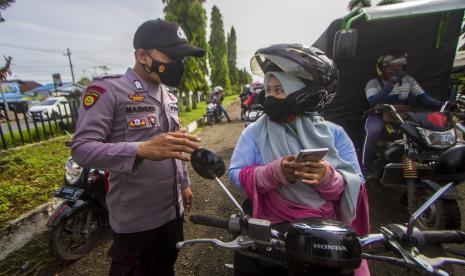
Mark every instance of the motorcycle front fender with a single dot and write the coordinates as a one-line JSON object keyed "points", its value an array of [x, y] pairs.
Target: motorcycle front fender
{"points": [[451, 194], [66, 209]]}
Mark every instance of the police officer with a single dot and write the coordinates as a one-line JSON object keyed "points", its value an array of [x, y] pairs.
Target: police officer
{"points": [[129, 125]]}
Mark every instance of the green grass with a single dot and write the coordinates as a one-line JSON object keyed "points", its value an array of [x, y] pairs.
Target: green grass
{"points": [[30, 175], [36, 134], [196, 114]]}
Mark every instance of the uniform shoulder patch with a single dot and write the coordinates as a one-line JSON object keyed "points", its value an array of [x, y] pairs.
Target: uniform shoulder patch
{"points": [[92, 95]]}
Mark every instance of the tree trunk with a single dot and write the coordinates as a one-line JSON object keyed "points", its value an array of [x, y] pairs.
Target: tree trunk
{"points": [[188, 101], [195, 100]]}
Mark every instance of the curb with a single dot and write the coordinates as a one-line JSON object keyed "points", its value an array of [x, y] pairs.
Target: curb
{"points": [[18, 232]]}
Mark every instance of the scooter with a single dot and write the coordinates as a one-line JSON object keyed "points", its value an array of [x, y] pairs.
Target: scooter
{"points": [[253, 113], [322, 246], [78, 222], [214, 114], [419, 152]]}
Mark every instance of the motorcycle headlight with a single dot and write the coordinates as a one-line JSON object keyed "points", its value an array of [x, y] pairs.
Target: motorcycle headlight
{"points": [[73, 171], [438, 139], [252, 115]]}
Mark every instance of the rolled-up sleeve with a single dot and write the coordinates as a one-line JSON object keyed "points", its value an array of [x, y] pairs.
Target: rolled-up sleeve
{"points": [[89, 147]]}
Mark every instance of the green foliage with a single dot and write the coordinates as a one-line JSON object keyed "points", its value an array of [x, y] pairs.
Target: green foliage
{"points": [[244, 76], [191, 16], [84, 81], [232, 57], [36, 134], [218, 56], [29, 176], [353, 4], [194, 115]]}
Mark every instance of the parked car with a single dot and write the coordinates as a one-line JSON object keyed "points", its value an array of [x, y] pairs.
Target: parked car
{"points": [[53, 107]]}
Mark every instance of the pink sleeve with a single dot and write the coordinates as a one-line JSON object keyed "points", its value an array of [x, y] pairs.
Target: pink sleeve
{"points": [[265, 178], [332, 184]]}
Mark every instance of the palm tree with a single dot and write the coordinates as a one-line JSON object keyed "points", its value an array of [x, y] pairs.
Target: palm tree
{"points": [[389, 2], [5, 70], [3, 5], [358, 4], [367, 3]]}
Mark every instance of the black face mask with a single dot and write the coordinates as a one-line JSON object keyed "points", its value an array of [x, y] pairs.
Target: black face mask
{"points": [[170, 73], [277, 109]]}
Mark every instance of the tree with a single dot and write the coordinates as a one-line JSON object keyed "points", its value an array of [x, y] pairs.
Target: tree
{"points": [[5, 71], [191, 16], [367, 3], [244, 76], [84, 81], [218, 52], [3, 5], [232, 57]]}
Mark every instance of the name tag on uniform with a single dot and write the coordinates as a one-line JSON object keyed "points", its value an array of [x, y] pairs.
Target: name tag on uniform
{"points": [[140, 108], [173, 107]]}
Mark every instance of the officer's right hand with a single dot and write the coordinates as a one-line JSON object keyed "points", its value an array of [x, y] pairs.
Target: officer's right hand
{"points": [[170, 145]]}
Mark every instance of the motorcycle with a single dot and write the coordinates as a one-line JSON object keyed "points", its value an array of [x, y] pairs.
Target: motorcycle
{"points": [[419, 152], [214, 114], [78, 222], [253, 113], [322, 246]]}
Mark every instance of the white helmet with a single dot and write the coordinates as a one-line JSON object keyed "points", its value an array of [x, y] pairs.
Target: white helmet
{"points": [[218, 89]]}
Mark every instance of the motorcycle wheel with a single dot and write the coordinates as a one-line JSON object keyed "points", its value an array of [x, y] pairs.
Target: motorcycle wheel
{"points": [[444, 214], [75, 236], [210, 120]]}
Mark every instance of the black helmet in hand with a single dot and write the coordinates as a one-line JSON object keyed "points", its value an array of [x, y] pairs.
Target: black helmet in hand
{"points": [[311, 65]]}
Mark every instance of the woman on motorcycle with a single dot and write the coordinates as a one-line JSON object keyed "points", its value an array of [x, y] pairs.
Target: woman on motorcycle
{"points": [[392, 86], [298, 81]]}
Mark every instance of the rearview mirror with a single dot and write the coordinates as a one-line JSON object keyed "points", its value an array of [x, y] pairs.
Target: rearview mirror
{"points": [[345, 45], [207, 164]]}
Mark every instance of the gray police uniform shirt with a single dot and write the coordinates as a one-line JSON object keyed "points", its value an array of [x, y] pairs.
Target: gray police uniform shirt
{"points": [[400, 91], [118, 113]]}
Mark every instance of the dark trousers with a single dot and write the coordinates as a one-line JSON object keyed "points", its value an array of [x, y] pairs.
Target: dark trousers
{"points": [[147, 253], [374, 126]]}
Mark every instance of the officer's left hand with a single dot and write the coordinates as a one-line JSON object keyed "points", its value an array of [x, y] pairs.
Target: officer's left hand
{"points": [[187, 198]]}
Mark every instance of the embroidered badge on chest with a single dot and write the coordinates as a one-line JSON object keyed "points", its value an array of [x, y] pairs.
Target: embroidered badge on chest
{"points": [[137, 123], [137, 97], [92, 95]]}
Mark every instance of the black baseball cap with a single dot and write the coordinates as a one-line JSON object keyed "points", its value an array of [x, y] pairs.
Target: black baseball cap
{"points": [[167, 37]]}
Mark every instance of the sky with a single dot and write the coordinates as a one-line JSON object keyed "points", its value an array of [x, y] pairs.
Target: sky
{"points": [[37, 33]]}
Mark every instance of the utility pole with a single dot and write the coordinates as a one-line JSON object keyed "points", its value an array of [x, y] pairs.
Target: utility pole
{"points": [[68, 53]]}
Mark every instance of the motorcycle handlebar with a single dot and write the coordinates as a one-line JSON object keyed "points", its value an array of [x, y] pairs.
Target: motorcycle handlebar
{"points": [[210, 221], [444, 236]]}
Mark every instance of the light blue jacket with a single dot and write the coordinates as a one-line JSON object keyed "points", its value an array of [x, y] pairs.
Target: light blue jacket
{"points": [[246, 152]]}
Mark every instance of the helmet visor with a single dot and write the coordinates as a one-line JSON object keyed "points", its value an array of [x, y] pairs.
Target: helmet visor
{"points": [[262, 63]]}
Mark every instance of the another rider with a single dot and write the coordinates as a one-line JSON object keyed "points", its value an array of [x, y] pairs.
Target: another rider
{"points": [[392, 86], [218, 97], [280, 188]]}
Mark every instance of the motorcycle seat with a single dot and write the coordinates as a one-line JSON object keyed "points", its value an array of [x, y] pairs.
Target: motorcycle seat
{"points": [[436, 121]]}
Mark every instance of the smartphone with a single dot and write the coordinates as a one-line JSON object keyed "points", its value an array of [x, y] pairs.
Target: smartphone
{"points": [[312, 154]]}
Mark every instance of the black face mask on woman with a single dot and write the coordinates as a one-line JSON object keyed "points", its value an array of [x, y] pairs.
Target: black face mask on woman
{"points": [[170, 73], [277, 109]]}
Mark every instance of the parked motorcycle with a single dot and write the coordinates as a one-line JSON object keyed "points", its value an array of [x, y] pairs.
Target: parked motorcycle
{"points": [[76, 224], [214, 114], [420, 152], [322, 246]]}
